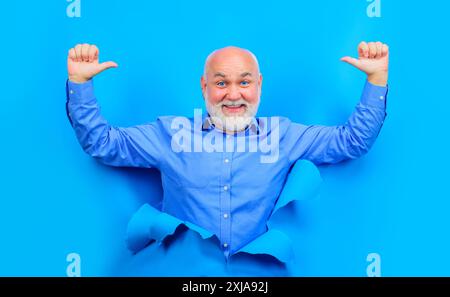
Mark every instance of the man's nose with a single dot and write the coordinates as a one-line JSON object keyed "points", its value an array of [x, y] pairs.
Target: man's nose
{"points": [[234, 93]]}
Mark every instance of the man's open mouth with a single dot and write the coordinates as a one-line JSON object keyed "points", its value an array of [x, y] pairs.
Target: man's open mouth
{"points": [[234, 108]]}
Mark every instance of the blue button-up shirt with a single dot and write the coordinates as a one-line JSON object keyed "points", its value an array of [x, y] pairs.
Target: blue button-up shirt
{"points": [[226, 184]]}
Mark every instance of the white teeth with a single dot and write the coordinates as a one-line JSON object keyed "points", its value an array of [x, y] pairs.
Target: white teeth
{"points": [[234, 105]]}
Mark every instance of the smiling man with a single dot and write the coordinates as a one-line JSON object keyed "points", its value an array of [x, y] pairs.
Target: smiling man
{"points": [[231, 86], [231, 190]]}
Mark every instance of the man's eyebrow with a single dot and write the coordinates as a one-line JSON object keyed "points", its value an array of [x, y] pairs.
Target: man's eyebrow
{"points": [[219, 74], [246, 74]]}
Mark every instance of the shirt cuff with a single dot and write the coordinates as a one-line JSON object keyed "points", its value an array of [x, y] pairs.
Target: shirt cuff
{"points": [[374, 95], [80, 92]]}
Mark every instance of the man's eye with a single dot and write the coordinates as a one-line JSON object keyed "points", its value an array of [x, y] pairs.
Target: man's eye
{"points": [[220, 84], [245, 83]]}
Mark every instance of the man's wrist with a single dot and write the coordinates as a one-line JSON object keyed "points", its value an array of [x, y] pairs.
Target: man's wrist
{"points": [[378, 78], [78, 80]]}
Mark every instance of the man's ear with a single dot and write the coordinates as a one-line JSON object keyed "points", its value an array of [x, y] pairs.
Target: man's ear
{"points": [[260, 83], [203, 85]]}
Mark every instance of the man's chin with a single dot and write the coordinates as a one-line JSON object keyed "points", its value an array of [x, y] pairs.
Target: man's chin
{"points": [[234, 115]]}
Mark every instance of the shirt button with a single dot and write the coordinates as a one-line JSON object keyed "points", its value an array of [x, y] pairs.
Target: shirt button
{"points": [[225, 188], [225, 215], [226, 160], [381, 97], [71, 92], [225, 245]]}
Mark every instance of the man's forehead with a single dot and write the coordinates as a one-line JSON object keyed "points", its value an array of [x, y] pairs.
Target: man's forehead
{"points": [[231, 61]]}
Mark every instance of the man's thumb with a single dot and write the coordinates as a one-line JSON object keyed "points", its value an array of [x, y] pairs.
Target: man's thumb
{"points": [[107, 65], [351, 61]]}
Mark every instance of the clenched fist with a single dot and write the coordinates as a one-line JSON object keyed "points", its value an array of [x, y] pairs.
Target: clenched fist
{"points": [[83, 64], [373, 60]]}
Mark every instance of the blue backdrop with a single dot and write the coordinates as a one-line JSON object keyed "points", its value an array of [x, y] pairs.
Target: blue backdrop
{"points": [[56, 200]]}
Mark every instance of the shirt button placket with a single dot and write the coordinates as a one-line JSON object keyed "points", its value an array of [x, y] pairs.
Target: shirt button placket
{"points": [[225, 202]]}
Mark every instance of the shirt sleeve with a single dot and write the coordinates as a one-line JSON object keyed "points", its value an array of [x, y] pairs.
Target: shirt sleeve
{"points": [[333, 144], [137, 146]]}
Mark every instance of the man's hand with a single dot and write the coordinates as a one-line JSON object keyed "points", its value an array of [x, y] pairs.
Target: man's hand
{"points": [[82, 63], [373, 60]]}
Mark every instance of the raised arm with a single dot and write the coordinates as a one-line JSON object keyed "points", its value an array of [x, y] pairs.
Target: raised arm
{"points": [[332, 144], [138, 146]]}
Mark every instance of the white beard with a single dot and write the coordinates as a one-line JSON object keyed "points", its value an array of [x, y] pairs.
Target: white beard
{"points": [[231, 123]]}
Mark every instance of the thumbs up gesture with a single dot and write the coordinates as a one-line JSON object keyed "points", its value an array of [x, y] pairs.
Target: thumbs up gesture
{"points": [[83, 63], [373, 59]]}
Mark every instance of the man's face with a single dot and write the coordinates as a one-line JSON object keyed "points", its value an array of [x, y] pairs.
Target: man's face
{"points": [[231, 86]]}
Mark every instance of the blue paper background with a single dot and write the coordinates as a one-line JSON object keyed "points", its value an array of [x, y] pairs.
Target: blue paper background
{"points": [[56, 200]]}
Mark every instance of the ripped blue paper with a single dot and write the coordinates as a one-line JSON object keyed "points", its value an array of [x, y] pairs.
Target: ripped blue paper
{"points": [[267, 255], [149, 224], [303, 183], [274, 243]]}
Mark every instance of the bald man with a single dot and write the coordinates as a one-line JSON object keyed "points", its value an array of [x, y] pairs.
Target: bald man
{"points": [[224, 170]]}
